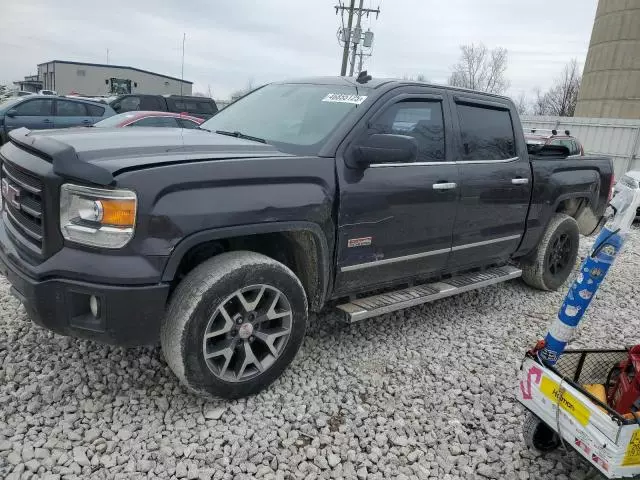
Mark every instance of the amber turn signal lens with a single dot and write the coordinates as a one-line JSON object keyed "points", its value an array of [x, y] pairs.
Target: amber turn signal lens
{"points": [[119, 213]]}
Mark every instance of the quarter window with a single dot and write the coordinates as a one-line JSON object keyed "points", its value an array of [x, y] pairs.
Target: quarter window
{"points": [[487, 133], [421, 120], [94, 110]]}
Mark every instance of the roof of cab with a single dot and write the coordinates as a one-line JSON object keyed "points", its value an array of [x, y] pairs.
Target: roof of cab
{"points": [[380, 82]]}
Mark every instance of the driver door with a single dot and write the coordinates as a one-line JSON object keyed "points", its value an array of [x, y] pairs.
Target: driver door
{"points": [[396, 219]]}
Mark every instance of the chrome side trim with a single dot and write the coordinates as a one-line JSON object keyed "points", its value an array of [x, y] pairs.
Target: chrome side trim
{"points": [[386, 261], [413, 256], [426, 164], [485, 242], [412, 164], [506, 160]]}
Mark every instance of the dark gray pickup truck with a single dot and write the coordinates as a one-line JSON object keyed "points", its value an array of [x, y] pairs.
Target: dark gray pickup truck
{"points": [[365, 195]]}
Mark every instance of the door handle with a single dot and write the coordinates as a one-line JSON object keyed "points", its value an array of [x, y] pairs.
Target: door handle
{"points": [[46, 120], [519, 181], [444, 186]]}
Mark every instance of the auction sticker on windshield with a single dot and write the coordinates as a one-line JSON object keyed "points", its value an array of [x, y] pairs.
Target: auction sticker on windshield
{"points": [[344, 98]]}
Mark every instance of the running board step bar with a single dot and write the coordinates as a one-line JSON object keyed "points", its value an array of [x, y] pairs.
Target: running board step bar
{"points": [[362, 308]]}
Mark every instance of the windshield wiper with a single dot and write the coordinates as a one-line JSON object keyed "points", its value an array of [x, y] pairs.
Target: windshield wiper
{"points": [[238, 134], [205, 129]]}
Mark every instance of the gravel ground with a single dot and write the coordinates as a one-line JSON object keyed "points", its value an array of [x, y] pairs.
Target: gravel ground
{"points": [[424, 393]]}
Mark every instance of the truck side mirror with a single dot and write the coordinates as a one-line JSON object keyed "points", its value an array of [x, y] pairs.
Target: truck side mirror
{"points": [[384, 148], [12, 113]]}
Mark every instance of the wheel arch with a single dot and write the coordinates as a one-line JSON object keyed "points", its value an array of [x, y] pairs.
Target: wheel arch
{"points": [[302, 246], [579, 205]]}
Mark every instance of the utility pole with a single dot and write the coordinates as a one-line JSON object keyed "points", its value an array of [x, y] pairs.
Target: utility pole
{"points": [[356, 41], [347, 40], [184, 37], [353, 36], [107, 56]]}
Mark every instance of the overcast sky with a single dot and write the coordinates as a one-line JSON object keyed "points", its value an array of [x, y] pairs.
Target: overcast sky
{"points": [[232, 42]]}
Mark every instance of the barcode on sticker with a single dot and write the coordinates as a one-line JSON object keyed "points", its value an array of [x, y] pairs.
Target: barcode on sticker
{"points": [[344, 98]]}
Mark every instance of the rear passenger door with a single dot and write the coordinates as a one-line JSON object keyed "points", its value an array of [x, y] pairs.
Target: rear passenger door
{"points": [[71, 114], [495, 178]]}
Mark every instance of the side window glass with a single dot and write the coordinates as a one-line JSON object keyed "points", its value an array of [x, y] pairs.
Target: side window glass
{"points": [[151, 103], [487, 133], [70, 109], [94, 110], [421, 120], [155, 122], [187, 123], [35, 108], [128, 104]]}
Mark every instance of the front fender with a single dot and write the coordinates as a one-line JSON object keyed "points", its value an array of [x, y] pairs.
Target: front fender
{"points": [[323, 250]]}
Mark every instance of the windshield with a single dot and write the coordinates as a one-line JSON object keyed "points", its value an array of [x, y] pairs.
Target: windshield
{"points": [[297, 118], [115, 120], [6, 104]]}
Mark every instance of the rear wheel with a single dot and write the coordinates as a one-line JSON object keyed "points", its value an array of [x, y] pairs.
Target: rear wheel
{"points": [[234, 324], [555, 255], [538, 435]]}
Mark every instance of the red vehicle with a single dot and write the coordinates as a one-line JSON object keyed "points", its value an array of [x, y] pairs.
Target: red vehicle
{"points": [[151, 119], [543, 136]]}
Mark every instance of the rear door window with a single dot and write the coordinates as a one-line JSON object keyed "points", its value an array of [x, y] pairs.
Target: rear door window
{"points": [[65, 108], [152, 103], [487, 133], [189, 105]]}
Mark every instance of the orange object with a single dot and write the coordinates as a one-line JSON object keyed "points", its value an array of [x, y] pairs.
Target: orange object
{"points": [[597, 391]]}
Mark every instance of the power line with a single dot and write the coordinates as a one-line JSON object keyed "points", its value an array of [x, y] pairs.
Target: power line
{"points": [[352, 37]]}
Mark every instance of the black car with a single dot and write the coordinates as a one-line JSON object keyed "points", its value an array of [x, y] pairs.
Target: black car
{"points": [[315, 193], [199, 106]]}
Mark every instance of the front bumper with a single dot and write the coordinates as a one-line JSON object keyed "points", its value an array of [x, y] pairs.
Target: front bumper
{"points": [[128, 314]]}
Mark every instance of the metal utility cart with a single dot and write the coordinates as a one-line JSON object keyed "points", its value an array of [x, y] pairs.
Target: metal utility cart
{"points": [[609, 441], [566, 392]]}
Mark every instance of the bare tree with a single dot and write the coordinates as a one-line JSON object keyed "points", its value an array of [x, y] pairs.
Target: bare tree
{"points": [[419, 78], [481, 69], [522, 105], [243, 91], [539, 103], [560, 100]]}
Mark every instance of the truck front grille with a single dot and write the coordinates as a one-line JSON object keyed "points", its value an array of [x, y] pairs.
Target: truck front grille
{"points": [[23, 206]]}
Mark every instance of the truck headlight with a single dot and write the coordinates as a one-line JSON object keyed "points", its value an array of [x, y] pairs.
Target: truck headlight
{"points": [[97, 217]]}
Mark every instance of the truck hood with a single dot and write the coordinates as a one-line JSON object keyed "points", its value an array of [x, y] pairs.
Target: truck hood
{"points": [[97, 154]]}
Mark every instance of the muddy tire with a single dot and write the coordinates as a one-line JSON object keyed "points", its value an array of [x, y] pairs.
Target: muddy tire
{"points": [[538, 435], [555, 255], [234, 324]]}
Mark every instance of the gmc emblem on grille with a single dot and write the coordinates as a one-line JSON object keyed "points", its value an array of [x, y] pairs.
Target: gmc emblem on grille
{"points": [[11, 193]]}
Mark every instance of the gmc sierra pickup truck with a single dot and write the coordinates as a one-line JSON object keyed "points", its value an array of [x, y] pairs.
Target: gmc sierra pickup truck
{"points": [[366, 195]]}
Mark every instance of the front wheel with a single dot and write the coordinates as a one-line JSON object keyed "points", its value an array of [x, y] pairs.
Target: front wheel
{"points": [[555, 255], [234, 324]]}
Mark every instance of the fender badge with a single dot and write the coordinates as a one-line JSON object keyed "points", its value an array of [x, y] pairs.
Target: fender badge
{"points": [[358, 242]]}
